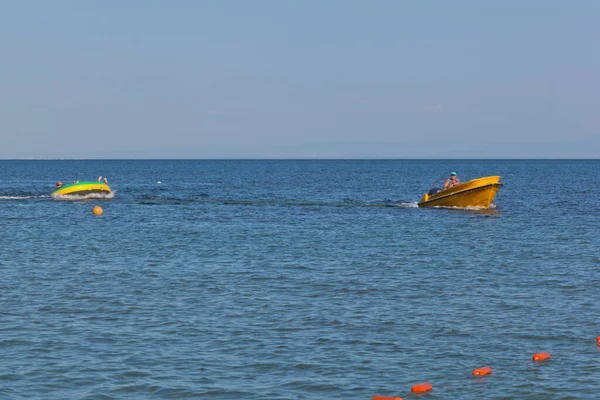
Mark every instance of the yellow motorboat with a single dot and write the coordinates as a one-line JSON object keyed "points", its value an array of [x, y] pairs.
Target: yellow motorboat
{"points": [[476, 193], [82, 189]]}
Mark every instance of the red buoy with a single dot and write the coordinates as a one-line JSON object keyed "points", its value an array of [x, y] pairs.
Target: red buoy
{"points": [[540, 356], [386, 398], [598, 340], [422, 388], [482, 371]]}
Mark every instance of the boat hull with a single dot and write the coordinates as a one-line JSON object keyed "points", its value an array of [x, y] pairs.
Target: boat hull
{"points": [[82, 189], [477, 193]]}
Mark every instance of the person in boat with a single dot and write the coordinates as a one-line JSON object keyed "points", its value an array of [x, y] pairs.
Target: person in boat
{"points": [[105, 180], [452, 181], [59, 184]]}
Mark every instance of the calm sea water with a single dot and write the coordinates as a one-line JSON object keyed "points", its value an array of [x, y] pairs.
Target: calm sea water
{"points": [[298, 280]]}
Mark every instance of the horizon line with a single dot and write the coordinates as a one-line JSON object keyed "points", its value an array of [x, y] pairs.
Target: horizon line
{"points": [[299, 159]]}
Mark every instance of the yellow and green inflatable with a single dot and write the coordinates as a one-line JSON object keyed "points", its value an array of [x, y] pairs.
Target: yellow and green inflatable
{"points": [[82, 189]]}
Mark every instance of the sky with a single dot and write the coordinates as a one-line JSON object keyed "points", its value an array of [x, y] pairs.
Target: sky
{"points": [[299, 79]]}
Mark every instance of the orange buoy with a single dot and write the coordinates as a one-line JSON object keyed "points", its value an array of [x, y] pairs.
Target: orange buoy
{"points": [[386, 398], [482, 371], [598, 340], [97, 210], [422, 388], [540, 356]]}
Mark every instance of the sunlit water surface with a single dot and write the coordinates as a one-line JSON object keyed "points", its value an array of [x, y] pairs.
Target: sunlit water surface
{"points": [[298, 280]]}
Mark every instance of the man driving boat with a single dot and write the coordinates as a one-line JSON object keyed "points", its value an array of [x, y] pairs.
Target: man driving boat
{"points": [[452, 181]]}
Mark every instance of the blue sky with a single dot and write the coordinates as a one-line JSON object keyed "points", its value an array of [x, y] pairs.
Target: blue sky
{"points": [[299, 79]]}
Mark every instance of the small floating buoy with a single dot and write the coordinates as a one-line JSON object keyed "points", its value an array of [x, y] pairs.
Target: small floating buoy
{"points": [[159, 182], [97, 210], [422, 388], [482, 371], [386, 398], [540, 356], [598, 340]]}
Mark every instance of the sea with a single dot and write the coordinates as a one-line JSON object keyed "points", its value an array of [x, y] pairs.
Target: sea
{"points": [[298, 279]]}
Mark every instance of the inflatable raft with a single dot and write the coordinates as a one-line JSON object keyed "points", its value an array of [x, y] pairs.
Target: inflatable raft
{"points": [[82, 189]]}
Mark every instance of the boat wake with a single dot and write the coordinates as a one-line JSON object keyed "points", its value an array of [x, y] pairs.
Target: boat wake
{"points": [[491, 208], [20, 197], [345, 203], [406, 205]]}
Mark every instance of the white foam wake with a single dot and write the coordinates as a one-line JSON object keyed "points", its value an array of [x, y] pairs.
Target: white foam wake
{"points": [[468, 208], [20, 197], [90, 196], [407, 205]]}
